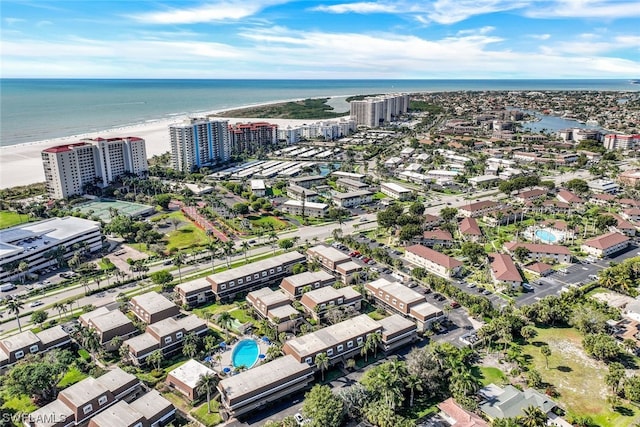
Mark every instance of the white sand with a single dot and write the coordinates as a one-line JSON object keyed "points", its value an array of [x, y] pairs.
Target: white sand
{"points": [[22, 164]]}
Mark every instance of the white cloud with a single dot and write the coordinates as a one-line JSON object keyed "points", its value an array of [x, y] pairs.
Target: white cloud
{"points": [[41, 24], [452, 11], [598, 9], [13, 21], [358, 7], [540, 36], [482, 30], [219, 11]]}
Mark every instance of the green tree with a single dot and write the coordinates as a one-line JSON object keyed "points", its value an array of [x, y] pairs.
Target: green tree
{"points": [[579, 186], [161, 277], [241, 208], [374, 339], [546, 352], [225, 321], [39, 376], [163, 200], [39, 317], [614, 376], [533, 416], [156, 358], [322, 407], [285, 244], [473, 251], [522, 253], [322, 363], [13, 307], [178, 261], [206, 384], [448, 214]]}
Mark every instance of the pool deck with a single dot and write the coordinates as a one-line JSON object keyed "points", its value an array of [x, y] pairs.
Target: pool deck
{"points": [[225, 359]]}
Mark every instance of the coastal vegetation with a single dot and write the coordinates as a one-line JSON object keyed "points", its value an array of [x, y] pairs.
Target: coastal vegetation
{"points": [[304, 109]]}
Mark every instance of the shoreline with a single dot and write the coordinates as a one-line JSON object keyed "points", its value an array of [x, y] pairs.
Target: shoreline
{"points": [[21, 164]]}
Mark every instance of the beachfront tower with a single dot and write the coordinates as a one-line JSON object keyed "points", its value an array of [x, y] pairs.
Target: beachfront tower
{"points": [[68, 169], [379, 110], [199, 142]]}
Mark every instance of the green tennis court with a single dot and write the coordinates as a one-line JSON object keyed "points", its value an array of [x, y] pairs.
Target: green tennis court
{"points": [[103, 209]]}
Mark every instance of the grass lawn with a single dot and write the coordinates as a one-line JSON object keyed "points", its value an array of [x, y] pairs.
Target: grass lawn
{"points": [[72, 376], [142, 247], [21, 403], [9, 219], [208, 419], [187, 236], [375, 315], [213, 309], [241, 315], [578, 378], [266, 221], [489, 375]]}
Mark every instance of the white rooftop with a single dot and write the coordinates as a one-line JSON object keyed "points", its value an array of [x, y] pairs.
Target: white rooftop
{"points": [[190, 373]]}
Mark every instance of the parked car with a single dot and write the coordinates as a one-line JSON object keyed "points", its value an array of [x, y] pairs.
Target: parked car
{"points": [[455, 304], [527, 287]]}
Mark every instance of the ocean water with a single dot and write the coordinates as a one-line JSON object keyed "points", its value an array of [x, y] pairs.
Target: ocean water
{"points": [[40, 109]]}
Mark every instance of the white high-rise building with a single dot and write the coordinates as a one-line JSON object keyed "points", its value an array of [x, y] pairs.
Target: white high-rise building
{"points": [[199, 142], [69, 168], [379, 110]]}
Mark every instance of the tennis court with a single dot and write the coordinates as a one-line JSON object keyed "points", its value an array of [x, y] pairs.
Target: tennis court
{"points": [[103, 208]]}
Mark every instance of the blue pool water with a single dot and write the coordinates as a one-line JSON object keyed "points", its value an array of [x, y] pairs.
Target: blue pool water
{"points": [[245, 353], [546, 236]]}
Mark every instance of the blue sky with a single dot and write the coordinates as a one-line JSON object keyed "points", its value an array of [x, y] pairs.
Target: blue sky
{"points": [[396, 39]]}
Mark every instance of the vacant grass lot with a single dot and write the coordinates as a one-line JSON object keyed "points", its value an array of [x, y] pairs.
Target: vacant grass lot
{"points": [[268, 221], [208, 419], [9, 219], [578, 378], [186, 235], [489, 375]]}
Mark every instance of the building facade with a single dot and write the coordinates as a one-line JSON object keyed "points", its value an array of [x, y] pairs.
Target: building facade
{"points": [[199, 142], [68, 169]]}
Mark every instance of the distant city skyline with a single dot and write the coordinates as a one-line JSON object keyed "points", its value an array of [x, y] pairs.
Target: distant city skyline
{"points": [[280, 39]]}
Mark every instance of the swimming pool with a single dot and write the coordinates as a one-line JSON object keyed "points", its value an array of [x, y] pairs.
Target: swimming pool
{"points": [[546, 236], [245, 353]]}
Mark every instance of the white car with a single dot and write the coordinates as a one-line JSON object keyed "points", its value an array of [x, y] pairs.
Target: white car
{"points": [[36, 304]]}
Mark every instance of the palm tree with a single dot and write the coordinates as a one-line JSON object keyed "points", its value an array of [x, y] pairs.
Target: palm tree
{"points": [[374, 338], [60, 307], [322, 362], [414, 383], [546, 352], [206, 383], [225, 321], [228, 250], [212, 247], [14, 306], [156, 358], [533, 417], [178, 261], [245, 248], [274, 351]]}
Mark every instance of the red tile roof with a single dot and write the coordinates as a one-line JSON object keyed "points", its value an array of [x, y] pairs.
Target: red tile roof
{"points": [[478, 206], [606, 240], [535, 193], [63, 148], [437, 235], [435, 256], [462, 417], [568, 197], [538, 267], [470, 226], [504, 268], [540, 248], [432, 218]]}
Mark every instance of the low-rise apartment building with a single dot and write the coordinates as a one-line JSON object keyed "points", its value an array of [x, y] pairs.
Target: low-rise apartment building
{"points": [[437, 237], [195, 292], [504, 271], [166, 335], [308, 181], [606, 244], [526, 196], [349, 175], [430, 221], [540, 251], [395, 191], [294, 286], [152, 307], [307, 209], [567, 196], [319, 301], [478, 209], [346, 271], [151, 410], [250, 390], [469, 229], [433, 261], [354, 198], [16, 347], [328, 258], [185, 378], [297, 192], [397, 331], [258, 187], [603, 186], [405, 301], [631, 214], [108, 324], [339, 341], [78, 403], [227, 284], [503, 216], [274, 306], [351, 185]]}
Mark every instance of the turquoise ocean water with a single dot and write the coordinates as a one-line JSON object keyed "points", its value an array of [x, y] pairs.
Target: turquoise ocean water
{"points": [[40, 109]]}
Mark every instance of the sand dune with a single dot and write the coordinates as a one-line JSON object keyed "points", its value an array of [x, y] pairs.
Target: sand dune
{"points": [[22, 164]]}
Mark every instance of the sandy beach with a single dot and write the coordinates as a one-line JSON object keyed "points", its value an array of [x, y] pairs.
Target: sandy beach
{"points": [[22, 164]]}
